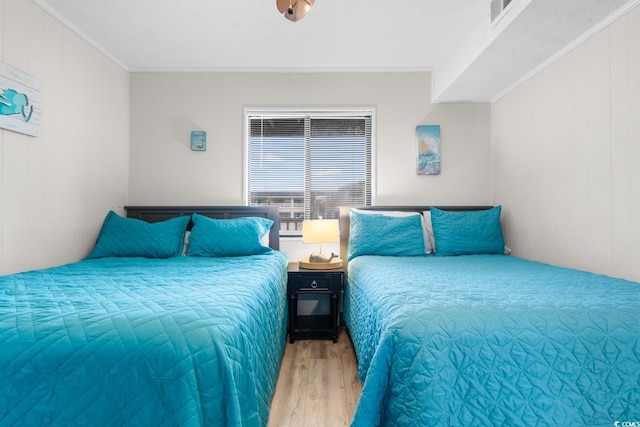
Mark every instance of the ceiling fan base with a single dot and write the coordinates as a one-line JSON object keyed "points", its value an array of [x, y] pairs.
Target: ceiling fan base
{"points": [[294, 10]]}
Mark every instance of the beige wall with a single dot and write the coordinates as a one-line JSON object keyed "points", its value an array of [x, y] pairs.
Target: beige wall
{"points": [[55, 189], [558, 152], [566, 147], [166, 107]]}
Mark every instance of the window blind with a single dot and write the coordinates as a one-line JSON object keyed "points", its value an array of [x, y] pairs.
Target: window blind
{"points": [[309, 164]]}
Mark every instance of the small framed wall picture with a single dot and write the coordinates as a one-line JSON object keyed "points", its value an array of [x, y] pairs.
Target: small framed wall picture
{"points": [[428, 141], [198, 140], [19, 101]]}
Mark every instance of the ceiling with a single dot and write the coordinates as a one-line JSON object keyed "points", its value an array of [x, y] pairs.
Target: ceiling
{"points": [[471, 58]]}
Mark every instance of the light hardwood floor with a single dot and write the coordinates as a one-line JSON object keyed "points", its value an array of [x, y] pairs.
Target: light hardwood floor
{"points": [[318, 384]]}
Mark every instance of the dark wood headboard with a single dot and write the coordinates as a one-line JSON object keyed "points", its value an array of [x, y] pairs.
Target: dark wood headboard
{"points": [[161, 213], [345, 220]]}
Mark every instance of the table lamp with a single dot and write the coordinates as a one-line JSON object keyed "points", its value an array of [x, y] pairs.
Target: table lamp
{"points": [[321, 231]]}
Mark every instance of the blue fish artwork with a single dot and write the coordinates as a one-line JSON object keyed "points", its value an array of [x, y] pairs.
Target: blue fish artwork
{"points": [[20, 109], [15, 103]]}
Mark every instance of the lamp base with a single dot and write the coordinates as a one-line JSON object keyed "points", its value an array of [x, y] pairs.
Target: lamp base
{"points": [[331, 265]]}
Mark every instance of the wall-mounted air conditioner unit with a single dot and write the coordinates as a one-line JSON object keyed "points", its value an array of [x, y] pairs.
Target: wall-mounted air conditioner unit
{"points": [[497, 7]]}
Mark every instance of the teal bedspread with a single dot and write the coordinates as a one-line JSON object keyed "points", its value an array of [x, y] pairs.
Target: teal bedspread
{"points": [[184, 341], [492, 340]]}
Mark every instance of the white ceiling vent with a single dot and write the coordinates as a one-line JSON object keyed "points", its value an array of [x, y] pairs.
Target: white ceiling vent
{"points": [[497, 7]]}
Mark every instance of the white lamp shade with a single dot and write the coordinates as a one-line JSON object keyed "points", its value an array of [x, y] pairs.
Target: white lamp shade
{"points": [[320, 231]]}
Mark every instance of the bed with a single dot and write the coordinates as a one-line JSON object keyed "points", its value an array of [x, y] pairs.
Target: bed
{"points": [[138, 334], [473, 336]]}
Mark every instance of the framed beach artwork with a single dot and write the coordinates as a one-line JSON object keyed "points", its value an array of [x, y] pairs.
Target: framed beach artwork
{"points": [[428, 141], [19, 101], [198, 140]]}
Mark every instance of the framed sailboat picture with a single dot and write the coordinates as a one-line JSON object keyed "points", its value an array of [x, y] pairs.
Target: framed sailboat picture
{"points": [[428, 144]]}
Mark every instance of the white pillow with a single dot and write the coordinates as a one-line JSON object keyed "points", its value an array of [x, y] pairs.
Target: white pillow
{"points": [[428, 248], [186, 242], [265, 239], [426, 215]]}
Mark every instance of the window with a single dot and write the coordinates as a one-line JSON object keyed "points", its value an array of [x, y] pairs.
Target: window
{"points": [[308, 163]]}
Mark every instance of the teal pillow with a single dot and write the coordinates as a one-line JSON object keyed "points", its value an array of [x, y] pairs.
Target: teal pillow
{"points": [[373, 234], [130, 237], [468, 232], [228, 237]]}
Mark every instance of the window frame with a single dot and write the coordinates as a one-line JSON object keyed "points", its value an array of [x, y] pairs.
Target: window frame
{"points": [[295, 112]]}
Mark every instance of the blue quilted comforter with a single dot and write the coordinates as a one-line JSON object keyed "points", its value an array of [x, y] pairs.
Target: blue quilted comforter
{"points": [[184, 341], [492, 340]]}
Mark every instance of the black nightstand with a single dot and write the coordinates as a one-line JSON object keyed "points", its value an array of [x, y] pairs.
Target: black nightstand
{"points": [[314, 301]]}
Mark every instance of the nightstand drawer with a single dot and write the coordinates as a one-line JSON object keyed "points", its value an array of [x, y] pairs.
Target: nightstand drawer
{"points": [[315, 283]]}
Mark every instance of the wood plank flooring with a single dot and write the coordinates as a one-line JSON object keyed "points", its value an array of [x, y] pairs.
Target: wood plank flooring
{"points": [[318, 384]]}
